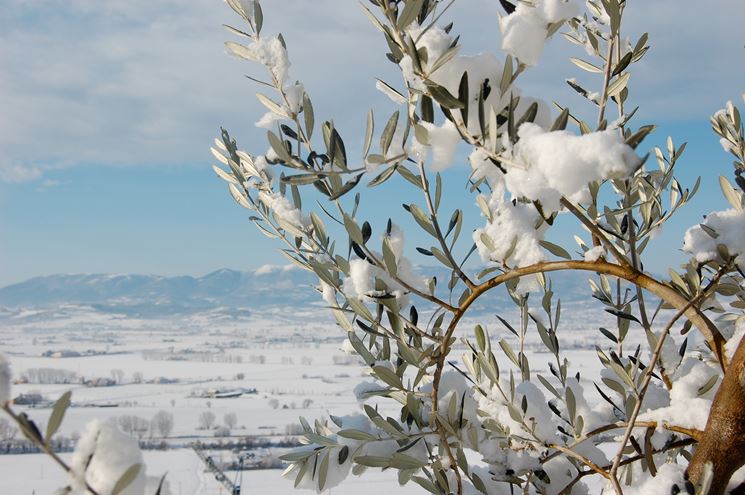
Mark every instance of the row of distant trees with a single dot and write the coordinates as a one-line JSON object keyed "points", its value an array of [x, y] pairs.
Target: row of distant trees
{"points": [[58, 376], [160, 425]]}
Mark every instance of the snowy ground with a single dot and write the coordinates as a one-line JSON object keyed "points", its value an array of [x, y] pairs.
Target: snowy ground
{"points": [[36, 474], [294, 362]]}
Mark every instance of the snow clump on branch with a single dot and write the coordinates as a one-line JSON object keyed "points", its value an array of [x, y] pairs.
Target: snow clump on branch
{"points": [[442, 141], [525, 30], [363, 275], [484, 72], [542, 167], [273, 55], [101, 456], [549, 165], [284, 211], [720, 228], [338, 458]]}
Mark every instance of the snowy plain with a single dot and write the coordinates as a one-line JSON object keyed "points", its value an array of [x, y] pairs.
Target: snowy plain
{"points": [[291, 355]]}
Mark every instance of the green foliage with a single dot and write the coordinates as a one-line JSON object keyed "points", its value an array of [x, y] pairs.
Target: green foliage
{"points": [[491, 401]]}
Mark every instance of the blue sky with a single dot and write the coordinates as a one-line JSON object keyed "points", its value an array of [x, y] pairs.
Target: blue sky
{"points": [[109, 108]]}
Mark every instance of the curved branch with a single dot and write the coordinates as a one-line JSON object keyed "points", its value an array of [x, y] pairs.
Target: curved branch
{"points": [[707, 328], [703, 323]]}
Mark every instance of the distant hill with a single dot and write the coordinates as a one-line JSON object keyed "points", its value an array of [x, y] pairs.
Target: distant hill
{"points": [[268, 285], [226, 289]]}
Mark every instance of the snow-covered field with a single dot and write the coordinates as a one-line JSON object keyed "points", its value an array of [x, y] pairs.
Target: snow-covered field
{"points": [[291, 357], [36, 474]]}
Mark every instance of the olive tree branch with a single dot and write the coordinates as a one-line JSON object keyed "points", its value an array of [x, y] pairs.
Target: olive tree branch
{"points": [[672, 445], [596, 232], [647, 376], [438, 230], [34, 437], [707, 328]]}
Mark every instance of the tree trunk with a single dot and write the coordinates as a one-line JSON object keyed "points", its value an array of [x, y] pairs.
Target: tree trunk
{"points": [[723, 441]]}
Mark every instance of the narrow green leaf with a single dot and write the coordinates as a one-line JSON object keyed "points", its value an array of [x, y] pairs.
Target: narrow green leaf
{"points": [[240, 51], [409, 14], [586, 65], [353, 229], [561, 121], [509, 352], [556, 250], [388, 132], [389, 257], [279, 147], [422, 219], [404, 461], [620, 66], [388, 377], [323, 471], [369, 130], [707, 386], [126, 479], [238, 196], [258, 17], [271, 105], [373, 461], [618, 85], [58, 413], [357, 435], [732, 196], [224, 175], [382, 176], [308, 115], [444, 98], [463, 96], [571, 402]]}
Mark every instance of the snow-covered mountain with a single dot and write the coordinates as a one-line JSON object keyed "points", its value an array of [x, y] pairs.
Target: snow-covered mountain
{"points": [[224, 289], [267, 286]]}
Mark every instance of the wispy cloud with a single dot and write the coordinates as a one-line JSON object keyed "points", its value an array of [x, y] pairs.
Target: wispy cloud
{"points": [[16, 172], [142, 82]]}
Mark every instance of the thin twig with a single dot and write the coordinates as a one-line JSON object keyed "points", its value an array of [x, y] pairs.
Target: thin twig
{"points": [[587, 462], [406, 285], [438, 230], [673, 445], [689, 432], [606, 80], [595, 230]]}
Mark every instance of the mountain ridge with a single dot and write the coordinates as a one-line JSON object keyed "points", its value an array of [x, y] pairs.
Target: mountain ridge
{"points": [[217, 288], [269, 285]]}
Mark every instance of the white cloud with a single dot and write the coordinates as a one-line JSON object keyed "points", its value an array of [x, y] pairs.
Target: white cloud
{"points": [[142, 82], [15, 172], [269, 268]]}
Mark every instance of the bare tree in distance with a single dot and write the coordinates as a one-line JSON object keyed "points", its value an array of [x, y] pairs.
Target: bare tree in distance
{"points": [[162, 422], [231, 420], [207, 420]]}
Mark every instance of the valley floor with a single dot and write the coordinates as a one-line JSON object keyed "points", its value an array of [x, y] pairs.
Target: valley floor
{"points": [[271, 367]]}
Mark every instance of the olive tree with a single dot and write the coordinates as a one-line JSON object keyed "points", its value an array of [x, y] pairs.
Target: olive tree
{"points": [[454, 409]]}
